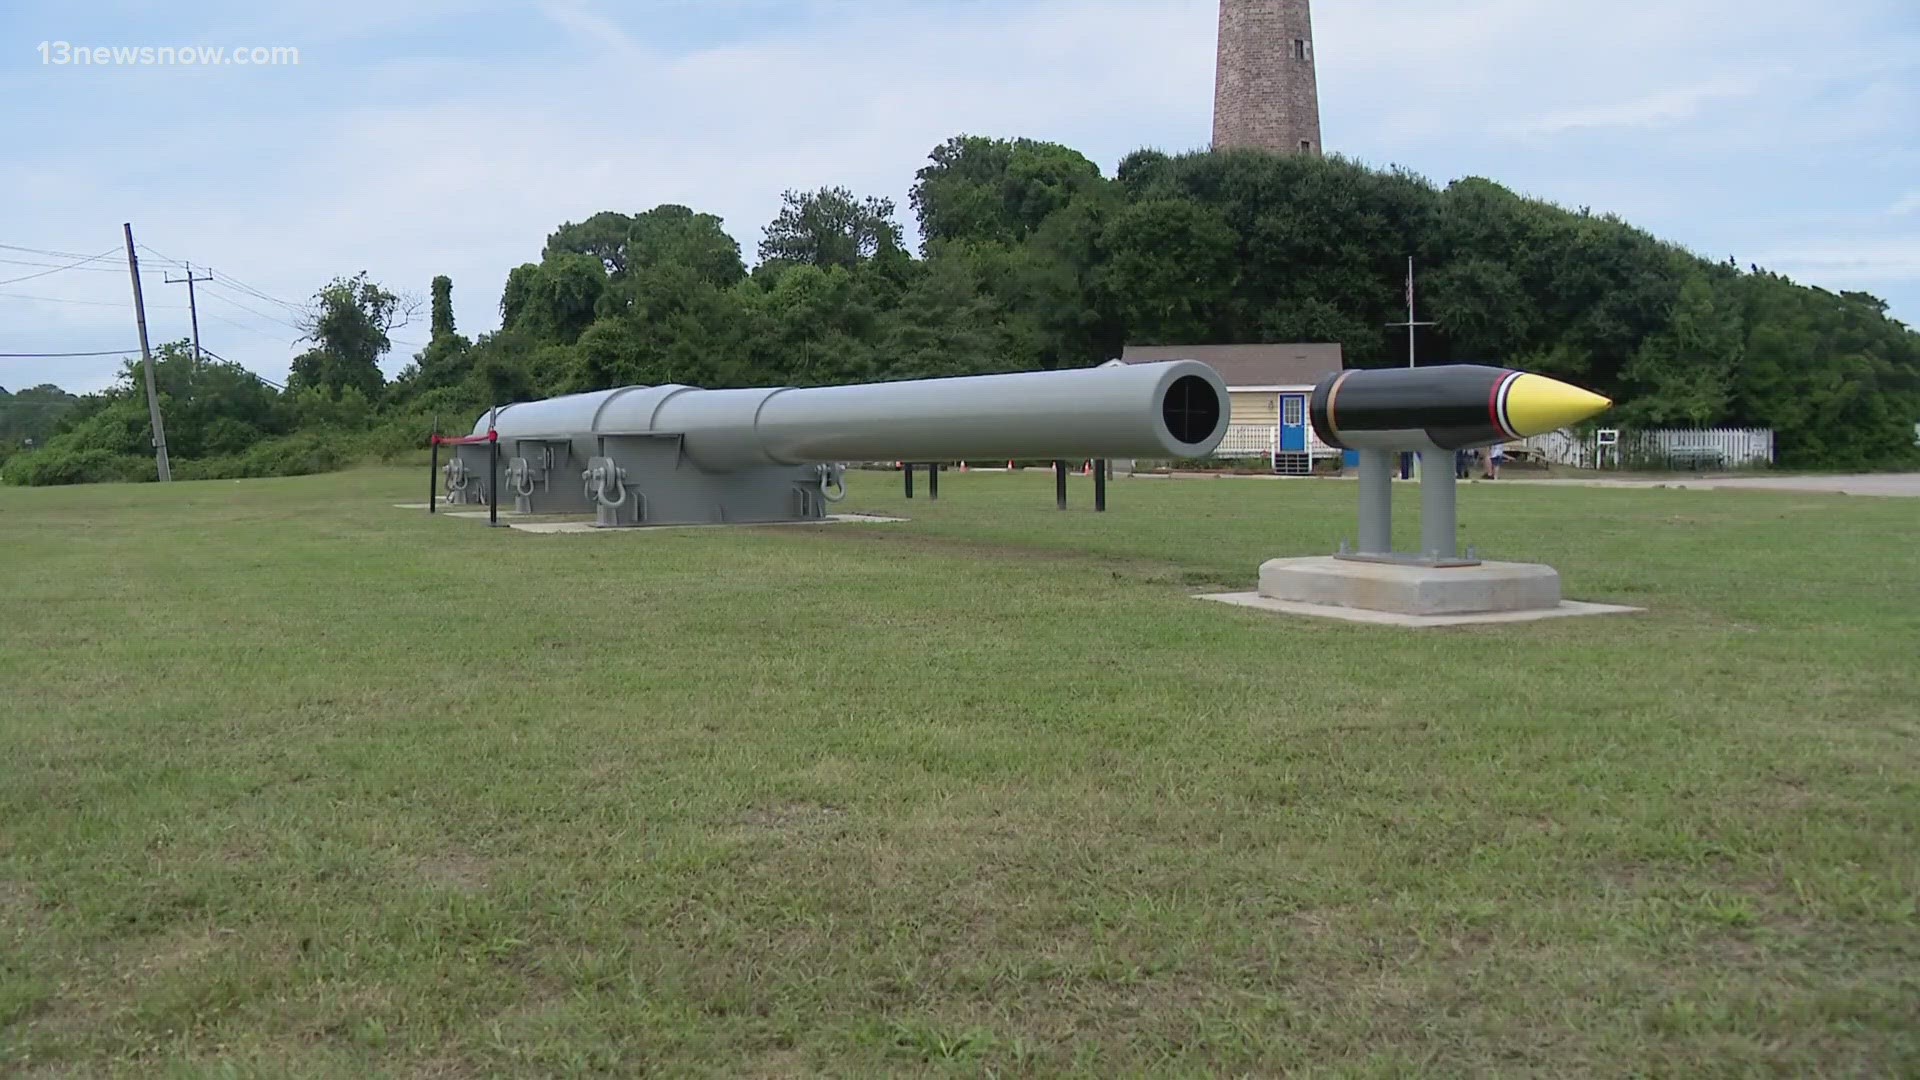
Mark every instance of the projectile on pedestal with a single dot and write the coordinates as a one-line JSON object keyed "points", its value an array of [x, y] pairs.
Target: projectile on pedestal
{"points": [[1452, 407]]}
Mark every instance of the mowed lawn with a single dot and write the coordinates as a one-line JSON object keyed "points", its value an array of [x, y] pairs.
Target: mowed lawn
{"points": [[295, 783]]}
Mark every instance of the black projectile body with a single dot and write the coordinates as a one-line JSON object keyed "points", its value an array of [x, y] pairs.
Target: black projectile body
{"points": [[1448, 407]]}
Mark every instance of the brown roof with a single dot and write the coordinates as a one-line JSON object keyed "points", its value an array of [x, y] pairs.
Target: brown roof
{"points": [[1250, 365]]}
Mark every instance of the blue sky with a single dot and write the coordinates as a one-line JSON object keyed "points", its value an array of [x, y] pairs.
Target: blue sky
{"points": [[450, 136]]}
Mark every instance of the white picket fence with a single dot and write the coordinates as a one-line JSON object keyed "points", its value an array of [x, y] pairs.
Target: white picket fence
{"points": [[1720, 448], [1714, 448]]}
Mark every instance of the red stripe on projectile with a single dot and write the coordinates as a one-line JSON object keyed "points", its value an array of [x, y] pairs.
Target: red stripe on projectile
{"points": [[1496, 401]]}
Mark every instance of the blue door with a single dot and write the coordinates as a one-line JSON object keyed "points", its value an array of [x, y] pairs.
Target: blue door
{"points": [[1293, 423]]}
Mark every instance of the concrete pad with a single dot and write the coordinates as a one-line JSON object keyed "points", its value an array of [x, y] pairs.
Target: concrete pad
{"points": [[481, 514], [588, 526], [409, 506], [1564, 609], [1325, 581]]}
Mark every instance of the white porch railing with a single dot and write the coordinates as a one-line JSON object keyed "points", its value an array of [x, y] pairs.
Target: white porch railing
{"points": [[1249, 441]]}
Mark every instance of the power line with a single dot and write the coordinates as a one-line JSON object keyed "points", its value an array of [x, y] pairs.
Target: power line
{"points": [[223, 278], [50, 253], [234, 282], [83, 303], [253, 311], [158, 255], [249, 329], [56, 355], [57, 269], [57, 266], [249, 371]]}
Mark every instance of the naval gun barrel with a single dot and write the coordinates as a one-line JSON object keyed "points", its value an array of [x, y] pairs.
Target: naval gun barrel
{"points": [[1177, 409], [1449, 407]]}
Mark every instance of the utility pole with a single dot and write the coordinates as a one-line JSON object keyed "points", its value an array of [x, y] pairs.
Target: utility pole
{"points": [[146, 360], [193, 310], [1411, 322]]}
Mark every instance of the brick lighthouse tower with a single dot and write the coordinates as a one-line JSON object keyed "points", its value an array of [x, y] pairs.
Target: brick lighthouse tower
{"points": [[1265, 94]]}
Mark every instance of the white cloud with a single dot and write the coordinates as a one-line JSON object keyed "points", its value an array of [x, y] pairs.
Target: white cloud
{"points": [[1857, 262], [1661, 108]]}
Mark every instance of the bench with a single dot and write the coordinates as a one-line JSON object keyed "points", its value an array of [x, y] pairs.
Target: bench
{"points": [[1696, 457]]}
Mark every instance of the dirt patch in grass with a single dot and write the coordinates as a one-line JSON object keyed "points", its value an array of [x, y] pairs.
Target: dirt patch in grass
{"points": [[792, 817], [454, 870], [20, 909]]}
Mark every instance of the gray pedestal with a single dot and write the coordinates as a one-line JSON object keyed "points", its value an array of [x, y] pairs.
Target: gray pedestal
{"points": [[1412, 590]]}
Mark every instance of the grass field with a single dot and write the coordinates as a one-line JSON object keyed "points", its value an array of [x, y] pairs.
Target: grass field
{"points": [[295, 783]]}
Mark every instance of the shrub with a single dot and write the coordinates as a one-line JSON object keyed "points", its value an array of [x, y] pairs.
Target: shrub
{"points": [[299, 454], [396, 439], [47, 468]]}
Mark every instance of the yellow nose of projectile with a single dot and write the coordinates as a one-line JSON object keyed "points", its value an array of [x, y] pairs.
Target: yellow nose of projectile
{"points": [[1537, 405]]}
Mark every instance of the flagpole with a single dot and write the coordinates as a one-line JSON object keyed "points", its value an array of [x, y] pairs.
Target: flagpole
{"points": [[1412, 319], [1409, 311]]}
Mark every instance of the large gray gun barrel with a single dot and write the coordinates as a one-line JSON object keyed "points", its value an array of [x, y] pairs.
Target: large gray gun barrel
{"points": [[1166, 410]]}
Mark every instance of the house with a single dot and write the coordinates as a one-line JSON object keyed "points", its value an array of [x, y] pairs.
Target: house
{"points": [[1269, 386]]}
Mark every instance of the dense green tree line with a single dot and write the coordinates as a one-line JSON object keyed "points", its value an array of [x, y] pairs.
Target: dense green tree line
{"points": [[1030, 258], [29, 417]]}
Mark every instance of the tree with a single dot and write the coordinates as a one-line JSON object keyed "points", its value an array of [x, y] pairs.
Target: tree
{"points": [[997, 189], [1682, 376], [33, 414], [667, 235], [603, 237], [442, 306], [670, 235], [830, 227], [348, 325], [446, 360], [555, 299], [1169, 270]]}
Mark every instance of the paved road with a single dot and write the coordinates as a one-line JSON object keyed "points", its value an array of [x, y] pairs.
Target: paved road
{"points": [[1895, 484]]}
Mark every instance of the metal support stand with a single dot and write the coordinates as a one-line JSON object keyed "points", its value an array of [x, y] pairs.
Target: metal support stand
{"points": [[433, 479], [933, 481], [1439, 520], [493, 483], [1100, 486], [1376, 503], [907, 468], [1060, 485], [1439, 529]]}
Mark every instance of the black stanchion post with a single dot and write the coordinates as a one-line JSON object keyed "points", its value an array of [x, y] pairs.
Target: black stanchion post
{"points": [[433, 479], [1100, 486], [933, 481], [907, 467], [493, 480], [1060, 485]]}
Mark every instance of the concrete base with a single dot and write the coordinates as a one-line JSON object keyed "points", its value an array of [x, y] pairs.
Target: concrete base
{"points": [[590, 527], [1410, 589], [1564, 609]]}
